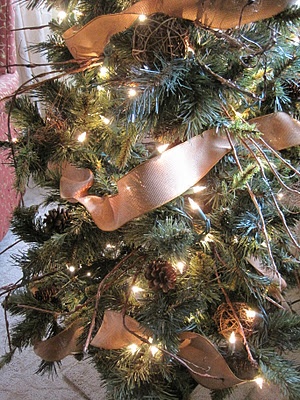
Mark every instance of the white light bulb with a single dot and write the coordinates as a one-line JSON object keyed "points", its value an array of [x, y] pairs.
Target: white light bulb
{"points": [[197, 189], [193, 204], [136, 289], [232, 338], [259, 380], [250, 314], [162, 147], [133, 348], [105, 120], [142, 17], [153, 350], [72, 268], [180, 266], [103, 72], [132, 92], [280, 195], [81, 138], [61, 16]]}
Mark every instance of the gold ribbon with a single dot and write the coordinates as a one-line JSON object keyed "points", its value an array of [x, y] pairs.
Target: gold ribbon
{"points": [[206, 365], [165, 177], [61, 345], [90, 40]]}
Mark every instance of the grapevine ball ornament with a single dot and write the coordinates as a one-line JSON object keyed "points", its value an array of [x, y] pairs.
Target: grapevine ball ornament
{"points": [[90, 40], [225, 318], [161, 35]]}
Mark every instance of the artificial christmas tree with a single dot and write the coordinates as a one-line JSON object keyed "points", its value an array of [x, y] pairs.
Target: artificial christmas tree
{"points": [[165, 269]]}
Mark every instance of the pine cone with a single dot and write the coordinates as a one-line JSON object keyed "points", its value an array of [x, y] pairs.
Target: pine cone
{"points": [[161, 275], [56, 220], [46, 294]]}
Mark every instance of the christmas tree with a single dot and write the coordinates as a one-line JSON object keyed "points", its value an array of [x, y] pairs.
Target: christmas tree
{"points": [[166, 136]]}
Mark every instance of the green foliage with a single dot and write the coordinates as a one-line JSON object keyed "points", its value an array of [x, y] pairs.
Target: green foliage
{"points": [[25, 225], [228, 78], [280, 329], [280, 372], [141, 376]]}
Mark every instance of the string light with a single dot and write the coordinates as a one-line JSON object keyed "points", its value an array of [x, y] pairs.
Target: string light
{"points": [[105, 120], [142, 18], [259, 381], [232, 341], [162, 148], [61, 16], [88, 274], [153, 350], [250, 314], [71, 268], [103, 71], [136, 289], [232, 338], [132, 92], [81, 138], [280, 195], [133, 348], [180, 266], [193, 204], [198, 188]]}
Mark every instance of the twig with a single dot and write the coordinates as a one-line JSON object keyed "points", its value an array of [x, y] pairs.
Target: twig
{"points": [[228, 301], [279, 156], [7, 323], [31, 28], [280, 213], [10, 246], [16, 285], [229, 83], [255, 202], [98, 296], [272, 168]]}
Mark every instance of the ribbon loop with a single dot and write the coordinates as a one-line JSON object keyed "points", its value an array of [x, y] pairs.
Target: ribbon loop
{"points": [[90, 40], [165, 177]]}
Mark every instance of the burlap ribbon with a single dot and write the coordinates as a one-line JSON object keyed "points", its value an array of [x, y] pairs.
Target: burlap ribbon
{"points": [[206, 365], [61, 345], [165, 177], [90, 40]]}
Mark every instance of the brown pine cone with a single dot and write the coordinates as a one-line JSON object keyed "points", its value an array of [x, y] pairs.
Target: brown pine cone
{"points": [[56, 220], [46, 294], [161, 275]]}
